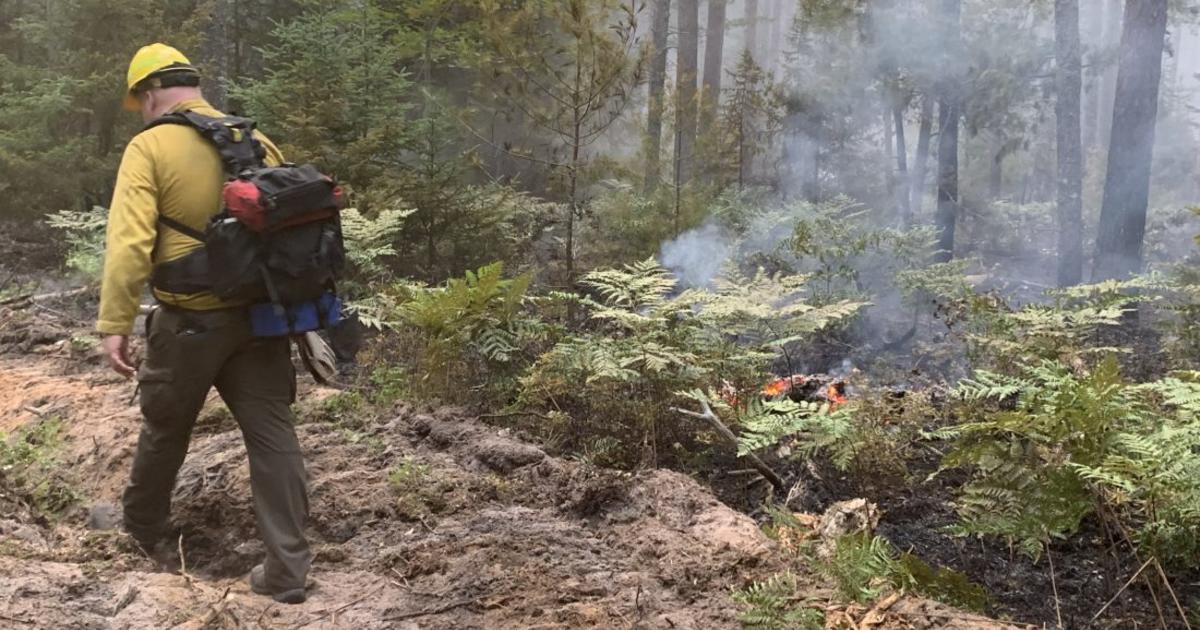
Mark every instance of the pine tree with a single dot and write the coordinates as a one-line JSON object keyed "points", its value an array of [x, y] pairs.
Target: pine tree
{"points": [[62, 74], [335, 93], [752, 114], [569, 86]]}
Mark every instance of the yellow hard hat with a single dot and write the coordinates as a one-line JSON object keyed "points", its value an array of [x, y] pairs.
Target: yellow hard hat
{"points": [[148, 61]]}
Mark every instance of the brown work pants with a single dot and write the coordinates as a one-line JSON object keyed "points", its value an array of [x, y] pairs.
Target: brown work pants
{"points": [[188, 352]]}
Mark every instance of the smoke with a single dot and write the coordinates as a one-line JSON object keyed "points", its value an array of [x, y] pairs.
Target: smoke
{"points": [[696, 256]]}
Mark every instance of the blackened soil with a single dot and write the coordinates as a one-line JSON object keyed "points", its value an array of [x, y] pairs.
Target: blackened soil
{"points": [[917, 515]]}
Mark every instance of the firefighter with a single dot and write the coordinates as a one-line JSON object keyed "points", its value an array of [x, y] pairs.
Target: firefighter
{"points": [[194, 342]]}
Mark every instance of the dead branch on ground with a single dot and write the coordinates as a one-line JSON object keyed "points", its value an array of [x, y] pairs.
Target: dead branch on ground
{"points": [[713, 421]]}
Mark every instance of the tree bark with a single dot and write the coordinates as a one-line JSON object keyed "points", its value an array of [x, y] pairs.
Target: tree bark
{"points": [[1092, 15], [889, 146], [751, 19], [685, 89], [947, 189], [774, 41], [1108, 81], [903, 190], [996, 172], [658, 79], [714, 52], [948, 118], [1069, 82], [921, 159], [1135, 110]]}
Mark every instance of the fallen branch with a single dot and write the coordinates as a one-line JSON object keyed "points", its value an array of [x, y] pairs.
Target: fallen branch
{"points": [[1167, 583], [29, 297], [215, 610], [492, 416], [334, 611], [713, 421], [1054, 588], [948, 616], [1114, 597], [432, 611]]}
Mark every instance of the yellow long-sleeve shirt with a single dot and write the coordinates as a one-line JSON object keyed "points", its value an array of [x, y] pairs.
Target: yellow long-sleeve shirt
{"points": [[169, 170]]}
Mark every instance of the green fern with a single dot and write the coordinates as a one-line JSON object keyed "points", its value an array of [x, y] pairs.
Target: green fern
{"points": [[775, 604], [633, 287], [1052, 444], [644, 343], [862, 567], [478, 318], [370, 241]]}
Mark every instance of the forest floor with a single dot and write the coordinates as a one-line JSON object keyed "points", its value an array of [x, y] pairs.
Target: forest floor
{"points": [[424, 518]]}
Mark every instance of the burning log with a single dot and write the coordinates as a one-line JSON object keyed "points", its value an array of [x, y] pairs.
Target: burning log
{"points": [[804, 387]]}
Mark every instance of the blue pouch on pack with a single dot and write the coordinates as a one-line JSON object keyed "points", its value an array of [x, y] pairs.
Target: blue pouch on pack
{"points": [[274, 320]]}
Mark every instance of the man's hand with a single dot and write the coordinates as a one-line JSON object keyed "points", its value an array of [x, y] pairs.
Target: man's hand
{"points": [[116, 349]]}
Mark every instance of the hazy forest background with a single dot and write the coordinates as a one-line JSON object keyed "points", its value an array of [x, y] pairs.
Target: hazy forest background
{"points": [[948, 236]]}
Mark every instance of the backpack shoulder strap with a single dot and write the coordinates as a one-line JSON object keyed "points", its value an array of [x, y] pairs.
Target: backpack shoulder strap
{"points": [[234, 140], [181, 228], [233, 137]]}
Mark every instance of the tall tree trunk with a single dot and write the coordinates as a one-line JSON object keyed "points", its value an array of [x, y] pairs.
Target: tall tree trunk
{"points": [[685, 89], [948, 118], [1092, 16], [751, 19], [1070, 144], [903, 190], [889, 146], [921, 159], [996, 172], [1108, 81], [889, 149], [1135, 111], [714, 52], [775, 39], [658, 79], [812, 172], [946, 218]]}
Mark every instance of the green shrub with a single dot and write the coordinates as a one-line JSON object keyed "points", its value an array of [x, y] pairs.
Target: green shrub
{"points": [[30, 471], [871, 436], [1058, 443], [862, 567], [775, 604], [465, 331], [415, 493], [619, 376], [84, 233]]}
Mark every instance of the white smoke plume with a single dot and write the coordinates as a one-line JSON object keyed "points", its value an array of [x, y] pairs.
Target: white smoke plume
{"points": [[696, 256]]}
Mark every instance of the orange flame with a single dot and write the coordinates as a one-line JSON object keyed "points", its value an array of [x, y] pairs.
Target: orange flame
{"points": [[784, 385], [836, 394], [777, 387]]}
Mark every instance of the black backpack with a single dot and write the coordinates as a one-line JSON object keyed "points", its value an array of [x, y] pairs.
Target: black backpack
{"points": [[278, 237]]}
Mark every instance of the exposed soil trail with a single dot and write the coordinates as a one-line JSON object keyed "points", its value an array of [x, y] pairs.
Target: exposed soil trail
{"points": [[476, 530]]}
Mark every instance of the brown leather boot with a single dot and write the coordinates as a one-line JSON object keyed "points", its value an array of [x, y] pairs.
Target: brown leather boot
{"points": [[164, 552], [258, 584]]}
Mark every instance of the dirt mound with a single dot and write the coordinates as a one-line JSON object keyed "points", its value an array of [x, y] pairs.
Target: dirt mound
{"points": [[426, 519]]}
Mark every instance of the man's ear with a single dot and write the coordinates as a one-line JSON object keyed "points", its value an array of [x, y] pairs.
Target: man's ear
{"points": [[148, 104]]}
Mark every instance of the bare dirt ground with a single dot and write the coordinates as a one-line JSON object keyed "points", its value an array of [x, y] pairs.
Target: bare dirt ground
{"points": [[475, 529]]}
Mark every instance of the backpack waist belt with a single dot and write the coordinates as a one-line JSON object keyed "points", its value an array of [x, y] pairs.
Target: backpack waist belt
{"points": [[187, 274]]}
